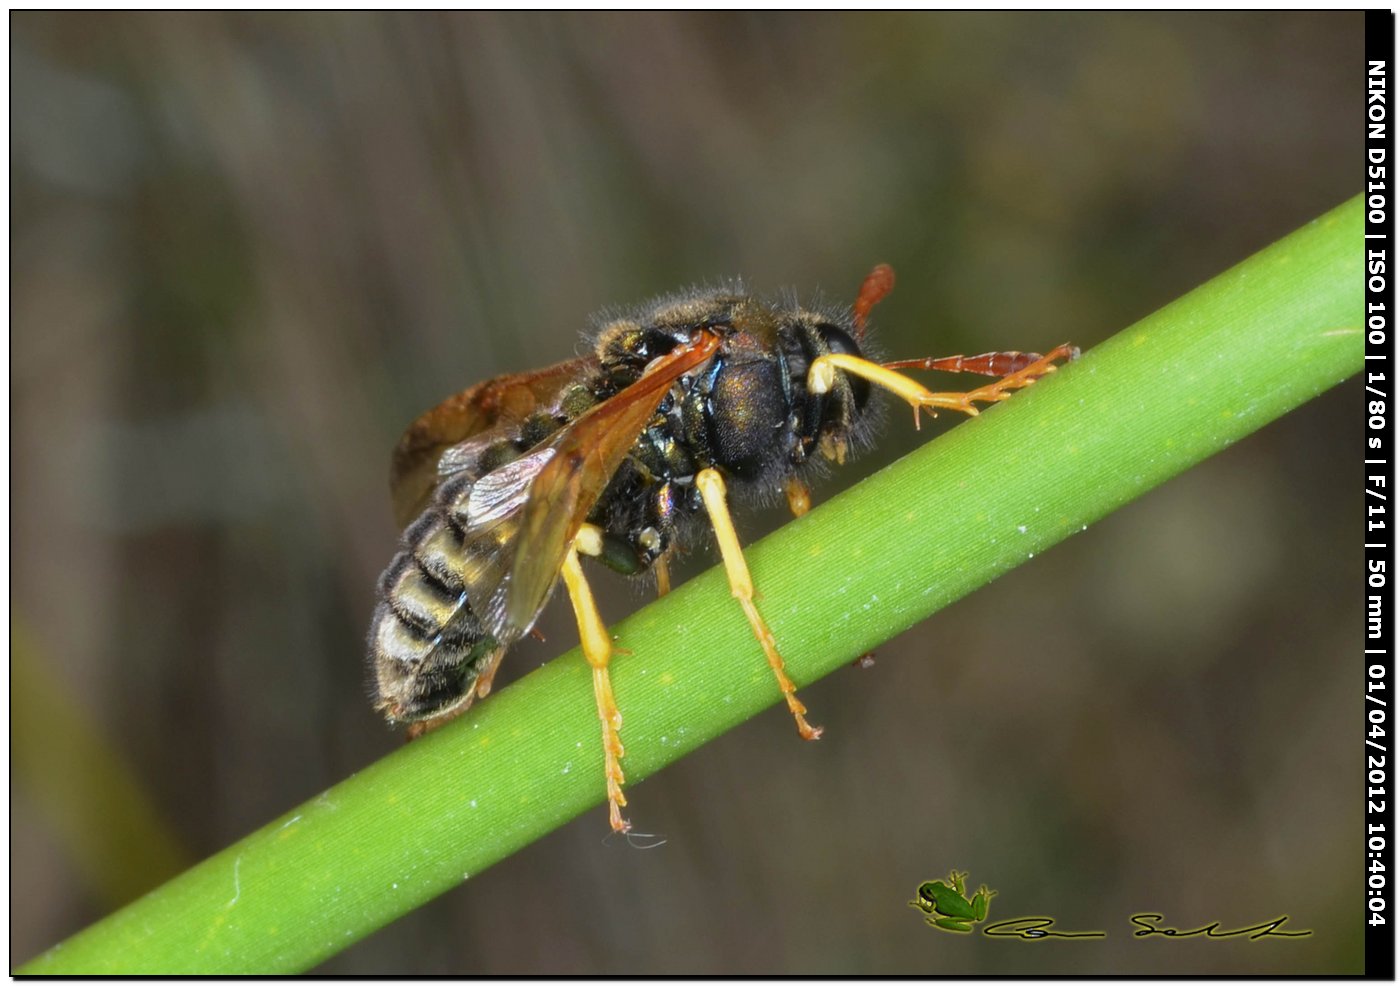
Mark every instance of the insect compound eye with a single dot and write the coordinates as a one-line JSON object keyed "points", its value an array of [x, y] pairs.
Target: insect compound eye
{"points": [[839, 341]]}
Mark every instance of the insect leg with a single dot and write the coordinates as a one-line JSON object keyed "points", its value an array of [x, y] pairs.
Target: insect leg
{"points": [[799, 496], [662, 569], [597, 648], [822, 375], [712, 491], [488, 673]]}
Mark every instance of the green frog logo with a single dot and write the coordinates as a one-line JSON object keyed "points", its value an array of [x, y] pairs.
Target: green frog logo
{"points": [[948, 906]]}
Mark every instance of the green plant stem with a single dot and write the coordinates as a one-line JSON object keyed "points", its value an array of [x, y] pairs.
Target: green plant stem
{"points": [[1184, 383]]}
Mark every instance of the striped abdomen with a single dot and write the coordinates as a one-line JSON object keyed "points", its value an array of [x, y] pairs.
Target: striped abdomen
{"points": [[427, 648]]}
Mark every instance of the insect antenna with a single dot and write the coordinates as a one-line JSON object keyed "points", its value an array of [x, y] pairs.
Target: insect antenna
{"points": [[878, 283]]}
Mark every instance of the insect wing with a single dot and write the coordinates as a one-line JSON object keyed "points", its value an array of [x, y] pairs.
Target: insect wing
{"points": [[584, 456], [498, 496], [450, 437], [490, 517]]}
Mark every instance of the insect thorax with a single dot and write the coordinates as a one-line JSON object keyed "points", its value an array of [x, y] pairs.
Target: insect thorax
{"points": [[747, 412]]}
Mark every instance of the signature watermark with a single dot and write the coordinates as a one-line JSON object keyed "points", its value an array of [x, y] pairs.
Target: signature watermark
{"points": [[948, 907]]}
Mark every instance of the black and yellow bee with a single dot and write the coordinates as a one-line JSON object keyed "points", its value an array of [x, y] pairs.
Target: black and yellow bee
{"points": [[620, 455]]}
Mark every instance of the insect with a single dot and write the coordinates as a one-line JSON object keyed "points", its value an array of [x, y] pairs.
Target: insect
{"points": [[621, 455]]}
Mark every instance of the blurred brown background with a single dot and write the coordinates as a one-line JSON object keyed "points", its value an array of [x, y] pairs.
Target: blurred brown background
{"points": [[247, 249]]}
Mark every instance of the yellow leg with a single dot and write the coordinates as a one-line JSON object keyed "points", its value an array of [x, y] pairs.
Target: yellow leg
{"points": [[711, 487], [799, 497], [662, 569], [822, 375], [488, 674], [597, 648]]}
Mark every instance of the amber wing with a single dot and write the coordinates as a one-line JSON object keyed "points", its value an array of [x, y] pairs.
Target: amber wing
{"points": [[498, 404], [583, 458]]}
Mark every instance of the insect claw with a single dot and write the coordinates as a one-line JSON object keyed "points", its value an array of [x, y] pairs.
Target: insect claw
{"points": [[632, 838]]}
